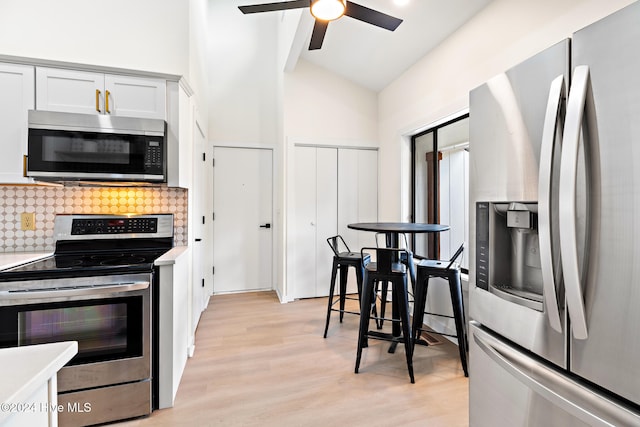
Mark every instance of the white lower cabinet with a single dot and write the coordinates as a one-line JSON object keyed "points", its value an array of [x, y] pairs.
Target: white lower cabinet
{"points": [[331, 188], [17, 89], [175, 277], [29, 386]]}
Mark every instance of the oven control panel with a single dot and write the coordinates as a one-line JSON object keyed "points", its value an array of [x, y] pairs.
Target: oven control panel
{"points": [[114, 226], [107, 227]]}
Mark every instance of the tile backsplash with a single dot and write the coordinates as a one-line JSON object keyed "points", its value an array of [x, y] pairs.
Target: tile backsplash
{"points": [[47, 201]]}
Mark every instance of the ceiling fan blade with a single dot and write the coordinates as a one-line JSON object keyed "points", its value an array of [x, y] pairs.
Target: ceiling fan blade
{"points": [[270, 7], [317, 37], [373, 17]]}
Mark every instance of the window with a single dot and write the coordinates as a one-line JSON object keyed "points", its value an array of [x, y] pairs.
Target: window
{"points": [[440, 189]]}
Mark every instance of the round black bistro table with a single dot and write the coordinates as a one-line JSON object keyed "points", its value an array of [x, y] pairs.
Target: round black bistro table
{"points": [[394, 229], [392, 232]]}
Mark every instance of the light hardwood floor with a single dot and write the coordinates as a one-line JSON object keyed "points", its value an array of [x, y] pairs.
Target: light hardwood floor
{"points": [[261, 363]]}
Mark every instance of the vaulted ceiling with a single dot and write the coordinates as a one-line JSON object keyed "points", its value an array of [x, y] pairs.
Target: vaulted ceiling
{"points": [[374, 57]]}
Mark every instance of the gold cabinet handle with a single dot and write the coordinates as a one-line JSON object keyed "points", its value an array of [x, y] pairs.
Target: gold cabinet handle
{"points": [[106, 100], [24, 165], [98, 100]]}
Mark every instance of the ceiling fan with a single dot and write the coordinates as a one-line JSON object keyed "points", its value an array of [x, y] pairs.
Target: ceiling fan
{"points": [[325, 11]]}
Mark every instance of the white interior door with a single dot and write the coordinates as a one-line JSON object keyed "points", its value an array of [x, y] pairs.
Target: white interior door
{"points": [[314, 218], [242, 229], [303, 216], [326, 215], [357, 198], [199, 295], [357, 194]]}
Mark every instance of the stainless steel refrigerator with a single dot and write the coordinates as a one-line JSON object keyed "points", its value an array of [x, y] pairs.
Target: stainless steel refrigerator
{"points": [[555, 234]]}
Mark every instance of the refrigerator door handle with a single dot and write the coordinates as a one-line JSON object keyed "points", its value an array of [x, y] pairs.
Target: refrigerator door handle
{"points": [[552, 122], [588, 405], [567, 204]]}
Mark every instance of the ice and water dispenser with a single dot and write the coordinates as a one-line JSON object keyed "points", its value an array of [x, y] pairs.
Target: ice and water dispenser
{"points": [[508, 252]]}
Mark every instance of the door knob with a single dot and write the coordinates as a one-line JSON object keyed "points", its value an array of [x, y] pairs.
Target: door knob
{"points": [[267, 225]]}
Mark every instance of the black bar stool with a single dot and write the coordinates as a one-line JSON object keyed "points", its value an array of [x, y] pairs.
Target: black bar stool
{"points": [[386, 268], [449, 270], [406, 258], [342, 260]]}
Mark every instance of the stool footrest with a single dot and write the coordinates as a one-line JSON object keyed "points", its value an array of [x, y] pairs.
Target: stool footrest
{"points": [[384, 336], [336, 300], [389, 319], [346, 311]]}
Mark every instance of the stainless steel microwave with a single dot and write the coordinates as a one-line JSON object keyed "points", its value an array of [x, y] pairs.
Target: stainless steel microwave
{"points": [[88, 147]]}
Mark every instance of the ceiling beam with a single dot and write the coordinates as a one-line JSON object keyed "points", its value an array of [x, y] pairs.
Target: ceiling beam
{"points": [[300, 38]]}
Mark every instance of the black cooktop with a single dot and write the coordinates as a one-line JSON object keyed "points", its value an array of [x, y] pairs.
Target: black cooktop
{"points": [[95, 245], [84, 264]]}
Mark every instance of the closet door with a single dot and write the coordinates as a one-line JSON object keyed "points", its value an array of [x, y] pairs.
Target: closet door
{"points": [[357, 194], [348, 205], [326, 215], [314, 220], [367, 193], [357, 198]]}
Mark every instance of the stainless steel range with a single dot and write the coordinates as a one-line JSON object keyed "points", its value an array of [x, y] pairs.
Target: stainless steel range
{"points": [[98, 289]]}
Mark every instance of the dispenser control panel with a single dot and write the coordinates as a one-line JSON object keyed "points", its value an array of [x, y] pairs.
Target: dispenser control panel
{"points": [[482, 245]]}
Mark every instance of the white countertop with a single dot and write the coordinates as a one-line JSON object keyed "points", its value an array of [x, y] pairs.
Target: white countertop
{"points": [[11, 259], [171, 256], [24, 369]]}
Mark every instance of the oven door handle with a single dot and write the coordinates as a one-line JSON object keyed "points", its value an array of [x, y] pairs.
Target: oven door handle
{"points": [[110, 288]]}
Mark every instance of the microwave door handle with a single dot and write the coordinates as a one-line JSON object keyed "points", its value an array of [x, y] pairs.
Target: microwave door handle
{"points": [[552, 122], [567, 204]]}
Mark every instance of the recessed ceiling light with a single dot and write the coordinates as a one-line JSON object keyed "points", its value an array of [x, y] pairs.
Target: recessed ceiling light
{"points": [[401, 2]]}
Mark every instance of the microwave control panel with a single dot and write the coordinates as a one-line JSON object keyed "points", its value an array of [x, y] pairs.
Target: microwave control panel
{"points": [[153, 156]]}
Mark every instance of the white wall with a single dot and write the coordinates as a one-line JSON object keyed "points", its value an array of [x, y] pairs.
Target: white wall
{"points": [[245, 94], [146, 35], [198, 76], [289, 26], [157, 36], [323, 106], [243, 77], [502, 35], [254, 102]]}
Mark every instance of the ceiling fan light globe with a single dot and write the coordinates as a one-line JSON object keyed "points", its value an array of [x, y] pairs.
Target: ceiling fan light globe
{"points": [[328, 10]]}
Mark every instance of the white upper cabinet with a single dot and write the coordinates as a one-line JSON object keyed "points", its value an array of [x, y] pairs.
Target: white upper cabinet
{"points": [[17, 89], [135, 96], [96, 93]]}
